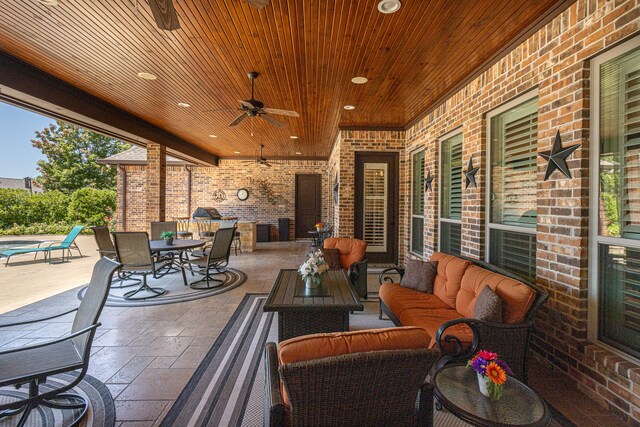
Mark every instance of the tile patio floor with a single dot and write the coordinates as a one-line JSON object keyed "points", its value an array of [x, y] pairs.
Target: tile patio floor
{"points": [[146, 355]]}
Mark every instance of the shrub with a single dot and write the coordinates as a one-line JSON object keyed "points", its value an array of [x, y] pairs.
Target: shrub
{"points": [[13, 207], [47, 208], [91, 207], [39, 228]]}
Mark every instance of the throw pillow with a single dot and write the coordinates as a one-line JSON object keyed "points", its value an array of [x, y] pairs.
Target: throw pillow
{"points": [[488, 306], [332, 258], [420, 275]]}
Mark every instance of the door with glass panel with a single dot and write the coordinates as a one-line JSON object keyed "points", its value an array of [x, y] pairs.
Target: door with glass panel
{"points": [[511, 236], [450, 194], [376, 205], [615, 200]]}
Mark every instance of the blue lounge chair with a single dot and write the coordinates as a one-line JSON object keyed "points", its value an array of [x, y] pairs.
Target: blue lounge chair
{"points": [[66, 245]]}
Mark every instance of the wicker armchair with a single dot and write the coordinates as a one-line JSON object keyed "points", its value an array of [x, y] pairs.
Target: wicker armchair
{"points": [[511, 341], [359, 389]]}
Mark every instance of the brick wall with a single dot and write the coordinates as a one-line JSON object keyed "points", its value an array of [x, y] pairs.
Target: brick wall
{"points": [[555, 61], [228, 177], [342, 160]]}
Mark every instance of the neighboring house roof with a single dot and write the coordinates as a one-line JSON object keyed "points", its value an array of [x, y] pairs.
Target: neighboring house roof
{"points": [[137, 156], [18, 184]]}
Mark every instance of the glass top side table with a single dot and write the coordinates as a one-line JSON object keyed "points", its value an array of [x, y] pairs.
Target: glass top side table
{"points": [[456, 388]]}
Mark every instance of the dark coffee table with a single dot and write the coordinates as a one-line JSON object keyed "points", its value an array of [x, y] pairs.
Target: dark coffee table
{"points": [[456, 388], [303, 312]]}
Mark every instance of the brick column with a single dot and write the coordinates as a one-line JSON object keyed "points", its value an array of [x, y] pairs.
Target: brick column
{"points": [[155, 185], [121, 203]]}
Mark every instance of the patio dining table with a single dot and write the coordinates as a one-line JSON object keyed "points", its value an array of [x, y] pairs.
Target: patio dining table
{"points": [[181, 246]]}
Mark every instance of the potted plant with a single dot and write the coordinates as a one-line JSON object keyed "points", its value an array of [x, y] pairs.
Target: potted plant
{"points": [[168, 237], [314, 269], [492, 373]]}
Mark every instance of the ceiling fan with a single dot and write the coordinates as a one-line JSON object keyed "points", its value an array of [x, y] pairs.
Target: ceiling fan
{"points": [[167, 19], [254, 108], [263, 160]]}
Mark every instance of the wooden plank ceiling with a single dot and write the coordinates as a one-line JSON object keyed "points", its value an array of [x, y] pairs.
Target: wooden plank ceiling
{"points": [[306, 51]]}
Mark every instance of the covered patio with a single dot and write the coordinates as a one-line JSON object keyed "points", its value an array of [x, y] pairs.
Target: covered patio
{"points": [[503, 134]]}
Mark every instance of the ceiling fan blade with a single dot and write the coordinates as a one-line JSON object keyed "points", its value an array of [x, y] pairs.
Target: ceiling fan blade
{"points": [[246, 104], [259, 4], [165, 14], [281, 112], [238, 119], [272, 121]]}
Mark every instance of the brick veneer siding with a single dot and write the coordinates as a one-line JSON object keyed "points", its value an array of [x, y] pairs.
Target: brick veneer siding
{"points": [[228, 177], [555, 61]]}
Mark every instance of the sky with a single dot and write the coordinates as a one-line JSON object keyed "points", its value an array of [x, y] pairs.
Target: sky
{"points": [[17, 128]]}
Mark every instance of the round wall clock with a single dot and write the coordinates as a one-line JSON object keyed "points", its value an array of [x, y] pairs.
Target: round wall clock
{"points": [[243, 194]]}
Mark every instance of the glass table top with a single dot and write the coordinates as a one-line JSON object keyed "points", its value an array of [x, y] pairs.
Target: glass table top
{"points": [[456, 388]]}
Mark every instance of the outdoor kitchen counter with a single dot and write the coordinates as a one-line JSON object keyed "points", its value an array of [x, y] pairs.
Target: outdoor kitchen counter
{"points": [[247, 231]]}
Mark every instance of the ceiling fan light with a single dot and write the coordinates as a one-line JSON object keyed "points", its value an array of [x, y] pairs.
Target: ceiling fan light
{"points": [[359, 80], [349, 107], [184, 105], [389, 6], [146, 76]]}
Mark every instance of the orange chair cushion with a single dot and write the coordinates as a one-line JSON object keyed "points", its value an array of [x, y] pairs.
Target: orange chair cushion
{"points": [[318, 346], [516, 297], [398, 299], [450, 272], [431, 320], [351, 250]]}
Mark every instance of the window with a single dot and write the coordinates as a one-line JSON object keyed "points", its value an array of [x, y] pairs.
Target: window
{"points": [[513, 133], [450, 194], [417, 202], [615, 200]]}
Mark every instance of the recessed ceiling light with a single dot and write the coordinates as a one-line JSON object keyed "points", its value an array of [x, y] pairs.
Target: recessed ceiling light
{"points": [[213, 136], [146, 76], [349, 107], [184, 105], [359, 80], [297, 152], [389, 6], [293, 137], [48, 2], [236, 152]]}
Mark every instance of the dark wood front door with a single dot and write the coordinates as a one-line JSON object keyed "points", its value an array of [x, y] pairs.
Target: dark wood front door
{"points": [[308, 203], [376, 205]]}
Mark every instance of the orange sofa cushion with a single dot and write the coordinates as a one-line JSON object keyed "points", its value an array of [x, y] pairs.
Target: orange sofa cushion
{"points": [[318, 346], [450, 272], [431, 320], [398, 298], [351, 250], [516, 296]]}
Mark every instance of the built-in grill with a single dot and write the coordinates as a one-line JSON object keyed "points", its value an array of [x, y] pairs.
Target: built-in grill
{"points": [[208, 213]]}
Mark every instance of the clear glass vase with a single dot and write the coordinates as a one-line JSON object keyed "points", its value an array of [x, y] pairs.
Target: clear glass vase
{"points": [[312, 281]]}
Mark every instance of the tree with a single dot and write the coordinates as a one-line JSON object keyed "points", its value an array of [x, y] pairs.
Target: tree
{"points": [[72, 153]]}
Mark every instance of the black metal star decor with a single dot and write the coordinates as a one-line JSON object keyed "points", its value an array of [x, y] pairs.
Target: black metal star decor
{"points": [[557, 157], [470, 175], [336, 187], [428, 181]]}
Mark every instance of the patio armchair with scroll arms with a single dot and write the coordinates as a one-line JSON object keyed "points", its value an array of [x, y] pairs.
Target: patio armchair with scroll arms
{"points": [[361, 378], [31, 365]]}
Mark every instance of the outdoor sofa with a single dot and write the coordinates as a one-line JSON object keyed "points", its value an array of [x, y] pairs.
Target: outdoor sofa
{"points": [[447, 314]]}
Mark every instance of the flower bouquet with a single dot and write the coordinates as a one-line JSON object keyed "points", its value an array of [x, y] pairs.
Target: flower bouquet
{"points": [[319, 226], [492, 373], [314, 269]]}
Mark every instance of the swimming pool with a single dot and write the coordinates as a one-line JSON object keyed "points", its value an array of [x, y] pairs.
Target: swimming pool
{"points": [[13, 244]]}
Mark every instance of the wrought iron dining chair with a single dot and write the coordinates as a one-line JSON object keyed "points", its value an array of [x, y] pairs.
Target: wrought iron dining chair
{"points": [[215, 261], [183, 227], [237, 244], [134, 253], [31, 365], [106, 249]]}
